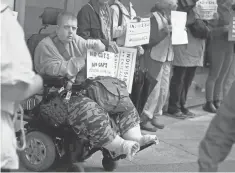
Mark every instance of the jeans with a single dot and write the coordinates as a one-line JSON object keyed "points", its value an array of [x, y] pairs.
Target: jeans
{"points": [[158, 96], [230, 78], [180, 82]]}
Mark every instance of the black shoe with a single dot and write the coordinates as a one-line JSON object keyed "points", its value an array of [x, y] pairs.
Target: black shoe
{"points": [[148, 126], [177, 115], [155, 122], [209, 107], [188, 113], [217, 104]]}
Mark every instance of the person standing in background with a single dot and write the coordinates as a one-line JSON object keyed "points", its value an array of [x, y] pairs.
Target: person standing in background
{"points": [[221, 54], [186, 60], [123, 12], [18, 82], [95, 22], [158, 64]]}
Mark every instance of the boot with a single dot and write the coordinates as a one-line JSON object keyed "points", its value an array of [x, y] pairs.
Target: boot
{"points": [[156, 123], [121, 146], [217, 104], [146, 124], [209, 107], [134, 134]]}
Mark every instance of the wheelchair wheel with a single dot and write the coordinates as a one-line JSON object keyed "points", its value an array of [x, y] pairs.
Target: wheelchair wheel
{"points": [[108, 164], [39, 154]]}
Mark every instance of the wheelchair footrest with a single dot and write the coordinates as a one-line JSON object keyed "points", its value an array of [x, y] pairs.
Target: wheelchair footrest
{"points": [[147, 145]]}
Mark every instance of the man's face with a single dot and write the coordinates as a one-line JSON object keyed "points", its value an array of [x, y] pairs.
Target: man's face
{"points": [[67, 30]]}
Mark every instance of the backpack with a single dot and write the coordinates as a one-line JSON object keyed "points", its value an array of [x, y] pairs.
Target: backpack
{"points": [[109, 93], [199, 29], [119, 19]]}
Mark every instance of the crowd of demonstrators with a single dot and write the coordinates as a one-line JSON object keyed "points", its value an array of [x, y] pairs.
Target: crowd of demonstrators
{"points": [[101, 25]]}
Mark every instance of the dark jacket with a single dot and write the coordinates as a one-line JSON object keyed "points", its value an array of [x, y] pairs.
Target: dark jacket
{"points": [[89, 24]]}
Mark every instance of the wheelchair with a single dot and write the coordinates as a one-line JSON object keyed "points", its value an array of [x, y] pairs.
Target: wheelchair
{"points": [[49, 147]]}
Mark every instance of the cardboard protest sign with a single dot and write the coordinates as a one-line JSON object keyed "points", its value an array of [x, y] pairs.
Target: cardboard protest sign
{"points": [[100, 64], [126, 66], [231, 32], [137, 33], [206, 9]]}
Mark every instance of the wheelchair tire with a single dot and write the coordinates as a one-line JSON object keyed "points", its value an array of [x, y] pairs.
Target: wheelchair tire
{"points": [[109, 165], [40, 152]]}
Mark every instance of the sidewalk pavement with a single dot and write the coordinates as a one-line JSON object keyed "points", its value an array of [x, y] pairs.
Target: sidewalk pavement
{"points": [[177, 151]]}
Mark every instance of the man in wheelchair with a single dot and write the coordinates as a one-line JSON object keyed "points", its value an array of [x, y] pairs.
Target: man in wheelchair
{"points": [[63, 53]]}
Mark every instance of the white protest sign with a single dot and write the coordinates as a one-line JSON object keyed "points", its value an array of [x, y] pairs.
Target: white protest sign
{"points": [[206, 9], [100, 64], [125, 68], [179, 34], [137, 33]]}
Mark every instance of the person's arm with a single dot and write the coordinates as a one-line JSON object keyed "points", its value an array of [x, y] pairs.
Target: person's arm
{"points": [[83, 44], [18, 80], [21, 90], [84, 26], [48, 62], [219, 138], [118, 31]]}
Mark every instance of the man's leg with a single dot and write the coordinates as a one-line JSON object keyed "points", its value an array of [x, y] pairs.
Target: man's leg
{"points": [[164, 89], [129, 124], [88, 119], [219, 85], [217, 55], [220, 135], [151, 104], [230, 78], [189, 75], [176, 87]]}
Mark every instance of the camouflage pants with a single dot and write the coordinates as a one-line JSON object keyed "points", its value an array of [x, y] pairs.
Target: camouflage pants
{"points": [[91, 121]]}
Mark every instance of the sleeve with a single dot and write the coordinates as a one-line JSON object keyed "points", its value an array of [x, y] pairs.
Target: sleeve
{"points": [[84, 26], [219, 137], [14, 52], [118, 31], [47, 62]]}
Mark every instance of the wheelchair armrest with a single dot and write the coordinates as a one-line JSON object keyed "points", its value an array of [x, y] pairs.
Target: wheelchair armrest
{"points": [[52, 81]]}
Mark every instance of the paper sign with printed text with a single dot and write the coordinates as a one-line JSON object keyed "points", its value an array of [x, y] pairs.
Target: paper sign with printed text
{"points": [[137, 33]]}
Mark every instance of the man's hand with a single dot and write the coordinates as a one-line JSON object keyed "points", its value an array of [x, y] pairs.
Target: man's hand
{"points": [[140, 50], [137, 18], [168, 28], [98, 46]]}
